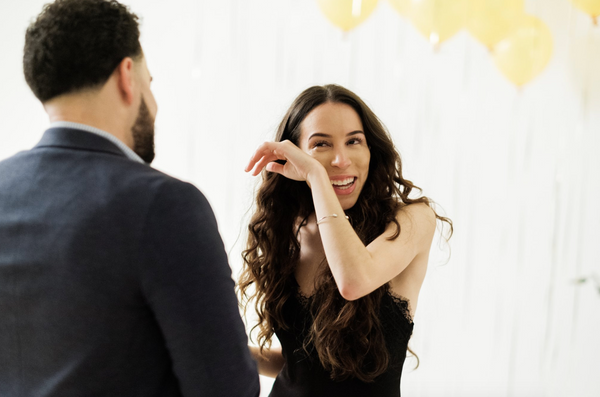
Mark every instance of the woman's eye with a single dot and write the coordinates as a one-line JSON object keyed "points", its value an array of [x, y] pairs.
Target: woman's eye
{"points": [[320, 144], [355, 141]]}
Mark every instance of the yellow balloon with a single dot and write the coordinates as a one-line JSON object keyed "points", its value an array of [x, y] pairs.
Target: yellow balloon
{"points": [[490, 21], [592, 7], [438, 20], [525, 52], [402, 6], [347, 14]]}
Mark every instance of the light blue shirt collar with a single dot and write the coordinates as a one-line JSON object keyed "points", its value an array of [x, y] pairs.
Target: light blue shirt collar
{"points": [[124, 148]]}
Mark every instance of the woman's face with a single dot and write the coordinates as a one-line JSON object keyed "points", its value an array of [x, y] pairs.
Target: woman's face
{"points": [[333, 134]]}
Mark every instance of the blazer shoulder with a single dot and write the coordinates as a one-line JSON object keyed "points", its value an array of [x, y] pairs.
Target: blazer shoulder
{"points": [[168, 190]]}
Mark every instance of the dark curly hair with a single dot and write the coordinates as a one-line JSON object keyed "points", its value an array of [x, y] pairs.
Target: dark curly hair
{"points": [[345, 334], [77, 44]]}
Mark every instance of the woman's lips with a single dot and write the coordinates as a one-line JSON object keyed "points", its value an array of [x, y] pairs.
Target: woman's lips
{"points": [[347, 185]]}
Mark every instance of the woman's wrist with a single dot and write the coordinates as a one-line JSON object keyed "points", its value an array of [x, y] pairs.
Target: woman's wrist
{"points": [[315, 174]]}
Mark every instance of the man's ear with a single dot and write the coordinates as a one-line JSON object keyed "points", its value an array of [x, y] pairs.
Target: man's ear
{"points": [[125, 80]]}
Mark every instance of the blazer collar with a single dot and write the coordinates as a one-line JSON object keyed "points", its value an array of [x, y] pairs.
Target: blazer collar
{"points": [[77, 139]]}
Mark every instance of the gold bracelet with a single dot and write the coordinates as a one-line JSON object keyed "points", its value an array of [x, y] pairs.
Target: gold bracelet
{"points": [[329, 216]]}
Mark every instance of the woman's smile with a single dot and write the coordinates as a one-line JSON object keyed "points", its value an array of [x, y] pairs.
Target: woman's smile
{"points": [[343, 185]]}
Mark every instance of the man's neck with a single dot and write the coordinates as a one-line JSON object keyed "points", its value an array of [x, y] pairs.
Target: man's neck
{"points": [[88, 110]]}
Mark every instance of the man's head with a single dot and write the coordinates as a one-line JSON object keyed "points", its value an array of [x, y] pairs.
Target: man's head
{"points": [[78, 48], [77, 44]]}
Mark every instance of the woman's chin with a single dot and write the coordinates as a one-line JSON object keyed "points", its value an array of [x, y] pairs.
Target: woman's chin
{"points": [[347, 203]]}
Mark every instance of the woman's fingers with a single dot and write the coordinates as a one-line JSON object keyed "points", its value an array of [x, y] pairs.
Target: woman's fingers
{"points": [[256, 156], [263, 151], [265, 154], [262, 163], [275, 167]]}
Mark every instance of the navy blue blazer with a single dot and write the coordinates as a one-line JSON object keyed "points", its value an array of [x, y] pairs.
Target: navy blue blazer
{"points": [[113, 279]]}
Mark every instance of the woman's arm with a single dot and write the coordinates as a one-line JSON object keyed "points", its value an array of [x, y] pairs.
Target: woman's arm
{"points": [[357, 269], [269, 364]]}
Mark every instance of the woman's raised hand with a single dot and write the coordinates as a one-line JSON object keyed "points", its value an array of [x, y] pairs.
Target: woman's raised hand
{"points": [[298, 165]]}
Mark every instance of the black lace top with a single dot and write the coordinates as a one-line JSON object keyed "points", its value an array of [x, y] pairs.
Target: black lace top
{"points": [[304, 376]]}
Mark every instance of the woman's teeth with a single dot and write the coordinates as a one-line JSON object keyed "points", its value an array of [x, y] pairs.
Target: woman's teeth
{"points": [[343, 183]]}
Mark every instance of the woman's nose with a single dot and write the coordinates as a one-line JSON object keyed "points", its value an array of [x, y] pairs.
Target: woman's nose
{"points": [[341, 159]]}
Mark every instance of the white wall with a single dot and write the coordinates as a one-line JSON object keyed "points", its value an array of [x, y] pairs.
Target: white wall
{"points": [[518, 171]]}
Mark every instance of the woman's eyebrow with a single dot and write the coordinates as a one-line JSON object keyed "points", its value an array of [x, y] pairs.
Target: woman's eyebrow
{"points": [[323, 135]]}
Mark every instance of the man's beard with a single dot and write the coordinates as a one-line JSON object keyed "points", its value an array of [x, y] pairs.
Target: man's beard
{"points": [[143, 134]]}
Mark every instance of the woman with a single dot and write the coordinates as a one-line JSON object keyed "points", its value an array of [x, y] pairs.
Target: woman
{"points": [[337, 251]]}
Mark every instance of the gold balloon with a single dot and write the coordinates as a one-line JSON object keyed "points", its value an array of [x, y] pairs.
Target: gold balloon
{"points": [[402, 6], [525, 52], [438, 20], [592, 7], [490, 21], [347, 14]]}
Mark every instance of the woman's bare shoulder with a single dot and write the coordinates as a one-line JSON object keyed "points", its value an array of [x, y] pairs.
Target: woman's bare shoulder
{"points": [[417, 215]]}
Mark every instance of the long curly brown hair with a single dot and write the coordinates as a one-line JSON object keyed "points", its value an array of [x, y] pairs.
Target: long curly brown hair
{"points": [[345, 334]]}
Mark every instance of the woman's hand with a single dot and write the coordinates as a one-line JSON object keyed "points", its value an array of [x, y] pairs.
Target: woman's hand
{"points": [[298, 165]]}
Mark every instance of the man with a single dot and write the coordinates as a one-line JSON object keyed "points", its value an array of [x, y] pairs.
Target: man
{"points": [[113, 277]]}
